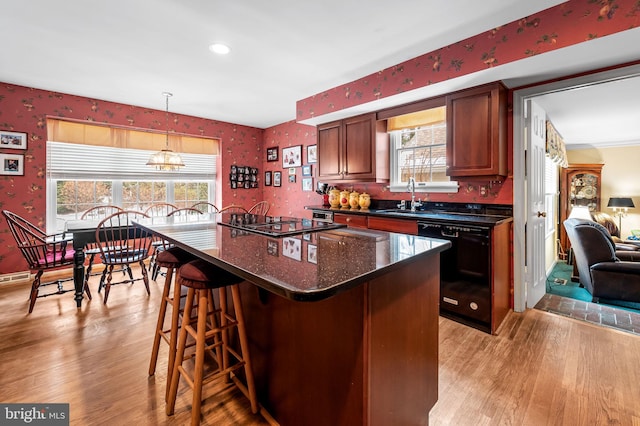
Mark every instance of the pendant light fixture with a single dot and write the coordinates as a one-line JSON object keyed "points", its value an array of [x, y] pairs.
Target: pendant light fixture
{"points": [[166, 160]]}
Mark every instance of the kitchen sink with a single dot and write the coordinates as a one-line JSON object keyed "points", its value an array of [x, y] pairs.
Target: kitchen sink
{"points": [[403, 211]]}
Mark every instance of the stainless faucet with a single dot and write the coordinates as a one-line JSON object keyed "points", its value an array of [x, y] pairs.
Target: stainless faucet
{"points": [[412, 189]]}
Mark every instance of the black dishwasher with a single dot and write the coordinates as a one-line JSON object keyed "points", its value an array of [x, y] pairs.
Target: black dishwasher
{"points": [[465, 272]]}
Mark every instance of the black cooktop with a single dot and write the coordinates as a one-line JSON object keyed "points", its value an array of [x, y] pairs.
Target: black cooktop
{"points": [[274, 226]]}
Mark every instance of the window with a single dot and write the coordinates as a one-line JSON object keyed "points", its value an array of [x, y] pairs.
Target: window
{"points": [[139, 195], [119, 176], [420, 151]]}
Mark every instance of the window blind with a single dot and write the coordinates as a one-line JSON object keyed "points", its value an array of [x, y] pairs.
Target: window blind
{"points": [[69, 161]]}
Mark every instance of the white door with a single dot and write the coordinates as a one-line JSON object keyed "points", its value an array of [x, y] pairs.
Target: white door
{"points": [[536, 212]]}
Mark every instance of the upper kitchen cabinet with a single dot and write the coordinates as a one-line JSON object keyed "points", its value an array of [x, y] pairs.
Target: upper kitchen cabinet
{"points": [[353, 150], [477, 132]]}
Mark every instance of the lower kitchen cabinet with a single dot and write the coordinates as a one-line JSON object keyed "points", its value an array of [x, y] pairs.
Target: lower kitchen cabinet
{"points": [[354, 220], [402, 226]]}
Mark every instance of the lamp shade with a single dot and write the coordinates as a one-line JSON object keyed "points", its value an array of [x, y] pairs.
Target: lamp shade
{"points": [[621, 202], [580, 212]]}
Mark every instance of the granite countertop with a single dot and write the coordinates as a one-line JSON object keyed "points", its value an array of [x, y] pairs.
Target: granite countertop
{"points": [[430, 215], [305, 267]]}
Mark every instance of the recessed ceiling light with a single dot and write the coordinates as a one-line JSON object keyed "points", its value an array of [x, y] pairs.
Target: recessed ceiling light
{"points": [[219, 48]]}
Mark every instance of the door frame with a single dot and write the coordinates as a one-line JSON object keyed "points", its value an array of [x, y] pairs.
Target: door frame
{"points": [[520, 146]]}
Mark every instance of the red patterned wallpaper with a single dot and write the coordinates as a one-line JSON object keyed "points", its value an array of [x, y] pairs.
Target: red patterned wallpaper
{"points": [[25, 109], [569, 23]]}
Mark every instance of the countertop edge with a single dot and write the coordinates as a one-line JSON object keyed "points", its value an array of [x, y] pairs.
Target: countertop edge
{"points": [[304, 296], [487, 219]]}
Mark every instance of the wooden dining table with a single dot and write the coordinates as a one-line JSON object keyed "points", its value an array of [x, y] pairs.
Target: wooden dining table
{"points": [[83, 232]]}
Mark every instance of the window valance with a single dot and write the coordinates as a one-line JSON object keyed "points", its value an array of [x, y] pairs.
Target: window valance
{"points": [[556, 150], [79, 132]]}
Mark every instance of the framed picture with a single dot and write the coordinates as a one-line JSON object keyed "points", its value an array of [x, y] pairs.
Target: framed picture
{"points": [[272, 247], [277, 176], [292, 170], [292, 156], [312, 253], [272, 154], [292, 248], [13, 140], [307, 184], [12, 164], [312, 154], [267, 178], [292, 178], [306, 170]]}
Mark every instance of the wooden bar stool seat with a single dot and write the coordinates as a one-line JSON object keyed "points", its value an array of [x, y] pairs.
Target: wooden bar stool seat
{"points": [[171, 258], [212, 337]]}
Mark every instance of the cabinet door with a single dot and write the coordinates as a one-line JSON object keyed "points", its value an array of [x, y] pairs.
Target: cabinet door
{"points": [[353, 150], [330, 151], [358, 147], [476, 132]]}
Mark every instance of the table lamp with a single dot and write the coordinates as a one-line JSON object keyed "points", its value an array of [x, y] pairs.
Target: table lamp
{"points": [[620, 206], [580, 212]]}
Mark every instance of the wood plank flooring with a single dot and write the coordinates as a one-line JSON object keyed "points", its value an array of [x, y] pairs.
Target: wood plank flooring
{"points": [[541, 368]]}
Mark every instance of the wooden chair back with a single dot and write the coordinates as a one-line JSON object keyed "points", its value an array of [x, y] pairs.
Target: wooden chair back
{"points": [[260, 208], [120, 241], [205, 207], [187, 211], [41, 251], [100, 212], [233, 209], [160, 209]]}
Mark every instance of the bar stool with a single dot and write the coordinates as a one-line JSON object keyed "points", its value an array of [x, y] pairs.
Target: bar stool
{"points": [[202, 278], [171, 258]]}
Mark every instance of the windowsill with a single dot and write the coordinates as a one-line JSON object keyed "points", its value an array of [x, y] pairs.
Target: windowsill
{"points": [[425, 187]]}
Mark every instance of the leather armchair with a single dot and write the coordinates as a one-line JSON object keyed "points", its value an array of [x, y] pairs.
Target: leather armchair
{"points": [[604, 272]]}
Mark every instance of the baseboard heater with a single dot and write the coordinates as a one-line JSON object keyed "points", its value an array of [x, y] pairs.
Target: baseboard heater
{"points": [[17, 276]]}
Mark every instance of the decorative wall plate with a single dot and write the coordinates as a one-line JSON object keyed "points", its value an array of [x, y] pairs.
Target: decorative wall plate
{"points": [[589, 191]]}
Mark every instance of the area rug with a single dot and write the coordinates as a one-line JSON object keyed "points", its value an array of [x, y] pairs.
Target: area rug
{"points": [[567, 298], [559, 283]]}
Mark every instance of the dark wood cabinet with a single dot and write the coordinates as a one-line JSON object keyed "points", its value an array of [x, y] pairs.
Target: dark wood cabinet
{"points": [[579, 186], [402, 226], [353, 150], [356, 221], [477, 132]]}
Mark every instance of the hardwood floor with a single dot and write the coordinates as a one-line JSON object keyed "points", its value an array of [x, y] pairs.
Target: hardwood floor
{"points": [[541, 369]]}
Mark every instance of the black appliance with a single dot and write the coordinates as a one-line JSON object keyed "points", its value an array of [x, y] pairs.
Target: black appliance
{"points": [[322, 215], [274, 226], [465, 272]]}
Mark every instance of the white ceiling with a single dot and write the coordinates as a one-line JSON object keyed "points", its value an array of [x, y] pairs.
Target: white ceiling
{"points": [[130, 51]]}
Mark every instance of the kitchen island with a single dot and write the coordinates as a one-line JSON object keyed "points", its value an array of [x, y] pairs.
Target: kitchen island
{"points": [[342, 323]]}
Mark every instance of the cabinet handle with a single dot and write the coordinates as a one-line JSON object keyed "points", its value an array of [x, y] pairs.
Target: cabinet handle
{"points": [[542, 214]]}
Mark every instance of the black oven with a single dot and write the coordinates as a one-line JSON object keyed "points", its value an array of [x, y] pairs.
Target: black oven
{"points": [[465, 272]]}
